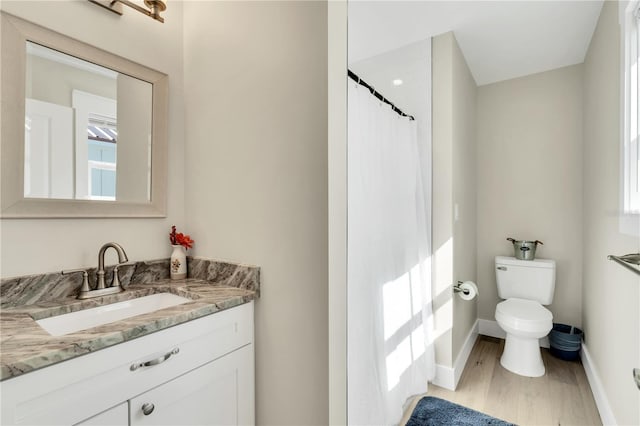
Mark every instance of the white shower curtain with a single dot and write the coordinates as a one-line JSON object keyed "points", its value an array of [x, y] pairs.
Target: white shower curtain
{"points": [[390, 349]]}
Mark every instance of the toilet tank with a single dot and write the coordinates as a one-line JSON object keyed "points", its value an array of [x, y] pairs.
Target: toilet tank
{"points": [[526, 279]]}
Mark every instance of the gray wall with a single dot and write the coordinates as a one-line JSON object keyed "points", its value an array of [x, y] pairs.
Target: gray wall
{"points": [[337, 156], [454, 170], [256, 187], [530, 180], [611, 299], [464, 195], [134, 139], [255, 180]]}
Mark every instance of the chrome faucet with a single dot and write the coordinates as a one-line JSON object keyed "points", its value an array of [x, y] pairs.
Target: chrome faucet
{"points": [[101, 289]]}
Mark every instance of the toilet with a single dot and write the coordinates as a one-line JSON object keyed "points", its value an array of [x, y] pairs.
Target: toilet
{"points": [[526, 285]]}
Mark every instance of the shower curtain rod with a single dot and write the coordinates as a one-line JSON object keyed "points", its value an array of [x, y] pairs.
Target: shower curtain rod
{"points": [[377, 94]]}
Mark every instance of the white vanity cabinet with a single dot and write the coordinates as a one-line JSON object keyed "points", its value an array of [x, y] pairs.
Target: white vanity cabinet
{"points": [[116, 416], [205, 396], [199, 372]]}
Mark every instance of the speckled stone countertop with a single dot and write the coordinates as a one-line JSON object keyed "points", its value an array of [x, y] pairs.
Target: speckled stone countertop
{"points": [[25, 346]]}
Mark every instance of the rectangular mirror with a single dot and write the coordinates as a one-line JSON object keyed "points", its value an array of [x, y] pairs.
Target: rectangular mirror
{"points": [[87, 130], [83, 131]]}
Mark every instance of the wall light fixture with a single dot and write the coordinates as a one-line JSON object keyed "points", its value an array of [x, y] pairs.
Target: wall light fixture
{"points": [[155, 7]]}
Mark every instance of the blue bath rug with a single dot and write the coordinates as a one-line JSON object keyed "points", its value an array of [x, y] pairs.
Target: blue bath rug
{"points": [[432, 411]]}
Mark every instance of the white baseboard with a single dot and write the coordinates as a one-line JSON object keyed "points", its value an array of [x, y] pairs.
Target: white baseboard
{"points": [[463, 355], [492, 329], [445, 377], [604, 408], [448, 377]]}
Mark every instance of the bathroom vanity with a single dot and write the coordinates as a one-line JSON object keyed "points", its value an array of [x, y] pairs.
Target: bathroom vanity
{"points": [[192, 363]]}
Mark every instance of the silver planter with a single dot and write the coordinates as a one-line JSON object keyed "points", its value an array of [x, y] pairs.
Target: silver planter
{"points": [[524, 250]]}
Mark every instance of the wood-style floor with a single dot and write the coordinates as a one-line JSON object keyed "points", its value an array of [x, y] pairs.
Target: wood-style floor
{"points": [[561, 397]]}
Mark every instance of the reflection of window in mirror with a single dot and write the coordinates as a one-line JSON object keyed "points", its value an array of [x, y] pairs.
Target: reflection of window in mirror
{"points": [[102, 145], [95, 163]]}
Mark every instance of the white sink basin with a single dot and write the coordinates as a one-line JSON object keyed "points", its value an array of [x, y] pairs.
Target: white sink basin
{"points": [[89, 318]]}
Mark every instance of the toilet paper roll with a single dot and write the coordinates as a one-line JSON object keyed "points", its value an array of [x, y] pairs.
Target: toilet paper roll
{"points": [[469, 290]]}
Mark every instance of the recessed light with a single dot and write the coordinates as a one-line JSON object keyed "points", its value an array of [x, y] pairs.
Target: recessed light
{"points": [[397, 82]]}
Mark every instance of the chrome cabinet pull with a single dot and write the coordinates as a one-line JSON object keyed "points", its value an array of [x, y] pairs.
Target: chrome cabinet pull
{"points": [[501, 268], [147, 408], [156, 361]]}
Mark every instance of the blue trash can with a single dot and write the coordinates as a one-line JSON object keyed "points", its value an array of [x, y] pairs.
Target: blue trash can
{"points": [[565, 341]]}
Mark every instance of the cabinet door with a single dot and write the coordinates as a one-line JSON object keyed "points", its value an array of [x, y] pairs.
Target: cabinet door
{"points": [[116, 416], [220, 392]]}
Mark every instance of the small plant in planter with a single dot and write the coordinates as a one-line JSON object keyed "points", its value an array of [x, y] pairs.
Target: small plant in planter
{"points": [[178, 238], [180, 243]]}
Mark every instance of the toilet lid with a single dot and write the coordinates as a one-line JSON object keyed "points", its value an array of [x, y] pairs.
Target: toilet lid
{"points": [[524, 310]]}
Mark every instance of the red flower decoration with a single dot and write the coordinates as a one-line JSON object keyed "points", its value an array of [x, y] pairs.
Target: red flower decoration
{"points": [[178, 238], [184, 240]]}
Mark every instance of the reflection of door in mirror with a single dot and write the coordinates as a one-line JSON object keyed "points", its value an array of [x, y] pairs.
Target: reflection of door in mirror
{"points": [[87, 130], [48, 168]]}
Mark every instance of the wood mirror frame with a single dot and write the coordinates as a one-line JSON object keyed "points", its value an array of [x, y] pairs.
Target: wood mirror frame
{"points": [[15, 32]]}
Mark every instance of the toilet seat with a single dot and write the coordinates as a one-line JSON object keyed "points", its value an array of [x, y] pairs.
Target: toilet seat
{"points": [[524, 315]]}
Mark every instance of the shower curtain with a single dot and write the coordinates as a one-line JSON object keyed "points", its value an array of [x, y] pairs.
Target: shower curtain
{"points": [[390, 348]]}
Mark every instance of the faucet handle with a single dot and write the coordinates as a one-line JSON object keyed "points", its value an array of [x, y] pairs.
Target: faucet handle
{"points": [[85, 278], [115, 282]]}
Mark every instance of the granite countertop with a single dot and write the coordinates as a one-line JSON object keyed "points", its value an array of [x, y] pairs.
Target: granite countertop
{"points": [[25, 346]]}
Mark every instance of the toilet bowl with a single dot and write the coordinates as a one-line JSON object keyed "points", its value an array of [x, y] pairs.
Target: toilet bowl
{"points": [[525, 322], [526, 285]]}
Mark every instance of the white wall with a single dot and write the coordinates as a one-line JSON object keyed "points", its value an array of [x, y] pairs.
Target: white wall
{"points": [[256, 187], [35, 245], [611, 299], [54, 82], [530, 180], [454, 93]]}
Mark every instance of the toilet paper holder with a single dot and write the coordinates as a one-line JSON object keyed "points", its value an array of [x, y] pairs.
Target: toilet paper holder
{"points": [[457, 289]]}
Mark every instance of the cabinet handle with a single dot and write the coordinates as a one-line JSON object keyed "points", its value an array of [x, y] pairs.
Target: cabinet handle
{"points": [[156, 361], [501, 268], [147, 408]]}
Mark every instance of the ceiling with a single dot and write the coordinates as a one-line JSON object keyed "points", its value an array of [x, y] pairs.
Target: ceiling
{"points": [[499, 39]]}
